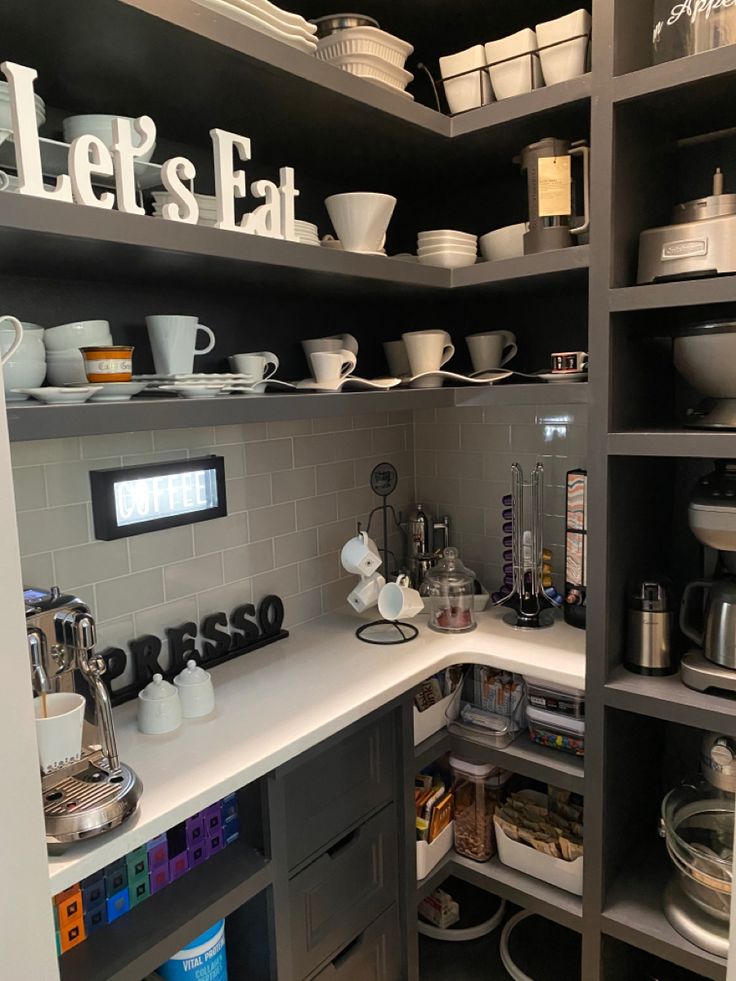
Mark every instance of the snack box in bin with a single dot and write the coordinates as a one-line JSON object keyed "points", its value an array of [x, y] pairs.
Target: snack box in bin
{"points": [[556, 871], [434, 718], [429, 855], [556, 731]]}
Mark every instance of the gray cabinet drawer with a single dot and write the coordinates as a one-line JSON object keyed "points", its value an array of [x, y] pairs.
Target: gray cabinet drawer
{"points": [[344, 890], [374, 955], [334, 789]]}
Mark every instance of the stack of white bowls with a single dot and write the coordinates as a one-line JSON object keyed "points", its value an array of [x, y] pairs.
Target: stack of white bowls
{"points": [[207, 204], [306, 232], [64, 360], [100, 125], [27, 367], [6, 122], [446, 248], [370, 53]]}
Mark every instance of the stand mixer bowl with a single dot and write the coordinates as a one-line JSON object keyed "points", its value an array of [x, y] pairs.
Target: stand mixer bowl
{"points": [[698, 826], [705, 355]]}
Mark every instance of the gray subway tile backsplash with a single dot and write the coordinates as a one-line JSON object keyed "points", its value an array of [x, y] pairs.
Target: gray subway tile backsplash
{"points": [[295, 492]]}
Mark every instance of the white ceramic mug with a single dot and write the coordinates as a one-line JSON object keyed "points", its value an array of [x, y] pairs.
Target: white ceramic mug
{"points": [[397, 358], [428, 350], [360, 219], [173, 343], [338, 342], [17, 327], [360, 555], [329, 368], [399, 601], [491, 350], [59, 732], [366, 593], [257, 366]]}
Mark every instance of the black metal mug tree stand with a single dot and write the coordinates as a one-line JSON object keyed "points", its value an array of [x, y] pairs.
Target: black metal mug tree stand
{"points": [[384, 479]]}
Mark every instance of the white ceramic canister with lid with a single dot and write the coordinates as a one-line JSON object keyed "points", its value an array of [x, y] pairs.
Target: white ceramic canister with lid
{"points": [[196, 692]]}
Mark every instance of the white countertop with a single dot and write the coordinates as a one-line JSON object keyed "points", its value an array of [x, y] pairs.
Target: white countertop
{"points": [[281, 700]]}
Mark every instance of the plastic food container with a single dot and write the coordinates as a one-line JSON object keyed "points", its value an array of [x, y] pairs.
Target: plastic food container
{"points": [[479, 787], [556, 731], [493, 708], [555, 698]]}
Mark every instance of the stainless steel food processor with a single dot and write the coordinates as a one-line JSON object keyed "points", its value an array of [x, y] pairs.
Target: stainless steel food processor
{"points": [[697, 823], [95, 793], [712, 519], [701, 241]]}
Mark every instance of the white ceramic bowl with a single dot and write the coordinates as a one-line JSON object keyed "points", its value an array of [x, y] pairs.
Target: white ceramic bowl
{"points": [[364, 41], [99, 125], [569, 55], [67, 371], [437, 249], [448, 260], [360, 219], [503, 243], [23, 374], [80, 333], [518, 75], [468, 91], [446, 243], [447, 233]]}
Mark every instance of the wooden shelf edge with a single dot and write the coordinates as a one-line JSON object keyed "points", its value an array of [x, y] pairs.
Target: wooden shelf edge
{"points": [[682, 293], [692, 443], [674, 74], [527, 759]]}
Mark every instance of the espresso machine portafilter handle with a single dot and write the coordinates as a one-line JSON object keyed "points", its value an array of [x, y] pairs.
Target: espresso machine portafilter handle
{"points": [[583, 151]]}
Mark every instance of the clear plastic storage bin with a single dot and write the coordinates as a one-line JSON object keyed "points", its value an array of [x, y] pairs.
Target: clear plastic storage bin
{"points": [[492, 707], [556, 731], [478, 789], [555, 698]]}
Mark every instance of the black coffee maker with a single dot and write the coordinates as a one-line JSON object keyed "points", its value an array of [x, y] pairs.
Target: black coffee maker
{"points": [[550, 185]]}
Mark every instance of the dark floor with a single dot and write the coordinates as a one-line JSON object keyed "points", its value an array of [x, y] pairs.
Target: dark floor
{"points": [[540, 948]]}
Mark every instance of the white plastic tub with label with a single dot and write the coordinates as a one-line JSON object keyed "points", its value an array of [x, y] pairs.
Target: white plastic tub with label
{"points": [[429, 855]]}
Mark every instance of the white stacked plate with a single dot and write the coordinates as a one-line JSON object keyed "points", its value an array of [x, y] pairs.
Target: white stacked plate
{"points": [[266, 17], [306, 232], [369, 53], [207, 204], [447, 248]]}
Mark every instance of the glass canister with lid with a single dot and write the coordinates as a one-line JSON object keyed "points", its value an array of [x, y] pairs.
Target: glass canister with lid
{"points": [[449, 590], [479, 789]]}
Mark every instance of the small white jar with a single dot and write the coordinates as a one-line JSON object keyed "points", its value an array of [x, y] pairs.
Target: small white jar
{"points": [[159, 708], [196, 692]]}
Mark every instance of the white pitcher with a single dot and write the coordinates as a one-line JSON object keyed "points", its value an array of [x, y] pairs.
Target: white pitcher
{"points": [[18, 328]]}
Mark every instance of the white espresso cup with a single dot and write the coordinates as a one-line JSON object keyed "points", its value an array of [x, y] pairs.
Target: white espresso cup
{"points": [[428, 350], [399, 601], [491, 350], [59, 732], [360, 555], [366, 593], [397, 358], [329, 368], [569, 361], [257, 366], [173, 343]]}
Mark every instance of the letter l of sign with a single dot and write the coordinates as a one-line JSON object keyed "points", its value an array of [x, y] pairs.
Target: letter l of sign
{"points": [[25, 135]]}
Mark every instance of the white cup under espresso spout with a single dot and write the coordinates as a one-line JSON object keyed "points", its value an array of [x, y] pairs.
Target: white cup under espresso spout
{"points": [[173, 343]]}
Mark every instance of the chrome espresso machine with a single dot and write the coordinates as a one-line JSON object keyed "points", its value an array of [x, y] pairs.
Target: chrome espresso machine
{"points": [[95, 792]]}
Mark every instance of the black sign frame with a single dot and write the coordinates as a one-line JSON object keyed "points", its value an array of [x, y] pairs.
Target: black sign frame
{"points": [[102, 483]]}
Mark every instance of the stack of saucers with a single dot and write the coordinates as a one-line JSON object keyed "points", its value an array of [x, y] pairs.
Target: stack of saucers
{"points": [[207, 206], [306, 232], [447, 248]]}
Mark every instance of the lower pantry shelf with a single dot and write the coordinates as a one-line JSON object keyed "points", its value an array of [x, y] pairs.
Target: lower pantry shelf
{"points": [[524, 890], [149, 934]]}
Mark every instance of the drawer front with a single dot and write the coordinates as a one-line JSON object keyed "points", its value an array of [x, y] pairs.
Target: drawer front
{"points": [[336, 788], [343, 891], [374, 955]]}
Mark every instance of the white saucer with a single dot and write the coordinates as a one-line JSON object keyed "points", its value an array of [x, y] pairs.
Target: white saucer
{"points": [[560, 377], [365, 384], [117, 391], [60, 396], [487, 378]]}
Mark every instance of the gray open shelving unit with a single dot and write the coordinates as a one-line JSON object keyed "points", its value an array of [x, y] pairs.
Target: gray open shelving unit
{"points": [[133, 56]]}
